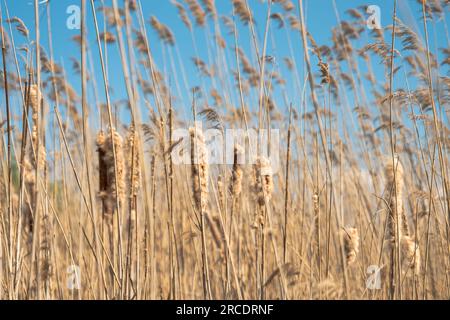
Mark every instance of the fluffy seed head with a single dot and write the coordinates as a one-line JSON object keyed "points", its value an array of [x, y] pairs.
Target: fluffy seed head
{"points": [[236, 175], [394, 176], [263, 181], [350, 238], [410, 254], [200, 169], [34, 100]]}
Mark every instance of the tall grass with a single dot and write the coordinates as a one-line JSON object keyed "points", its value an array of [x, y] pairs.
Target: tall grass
{"points": [[90, 180]]}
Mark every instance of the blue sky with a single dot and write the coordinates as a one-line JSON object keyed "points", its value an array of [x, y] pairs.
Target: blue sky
{"points": [[320, 16]]}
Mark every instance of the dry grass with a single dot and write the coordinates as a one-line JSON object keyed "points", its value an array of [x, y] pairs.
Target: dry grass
{"points": [[92, 182]]}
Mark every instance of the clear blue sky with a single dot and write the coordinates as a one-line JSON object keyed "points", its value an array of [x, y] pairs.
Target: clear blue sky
{"points": [[320, 15]]}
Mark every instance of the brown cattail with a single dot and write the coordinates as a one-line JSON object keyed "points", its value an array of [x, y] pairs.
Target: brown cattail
{"points": [[410, 254], [102, 166], [34, 110], [133, 165], [236, 175], [33, 98], [45, 262], [395, 193], [107, 169], [200, 169], [264, 181], [350, 238], [30, 186], [220, 189], [262, 188]]}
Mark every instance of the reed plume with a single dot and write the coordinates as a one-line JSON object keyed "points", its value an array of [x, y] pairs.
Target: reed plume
{"points": [[197, 12], [183, 14], [164, 33], [241, 9]]}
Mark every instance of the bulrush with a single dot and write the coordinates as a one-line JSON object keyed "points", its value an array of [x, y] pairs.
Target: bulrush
{"points": [[200, 169], [133, 164], [350, 238], [107, 170], [236, 174], [30, 186], [394, 176], [263, 180], [410, 254], [34, 111], [41, 154]]}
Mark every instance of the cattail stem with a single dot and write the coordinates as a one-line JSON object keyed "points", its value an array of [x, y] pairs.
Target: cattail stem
{"points": [[286, 192], [200, 183]]}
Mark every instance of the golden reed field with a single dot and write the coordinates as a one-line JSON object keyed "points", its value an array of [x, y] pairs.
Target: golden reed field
{"points": [[269, 164]]}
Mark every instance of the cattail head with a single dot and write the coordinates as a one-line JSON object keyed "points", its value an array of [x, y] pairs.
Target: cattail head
{"points": [[42, 157], [107, 168], [34, 101], [30, 185], [102, 165], [34, 112], [264, 181], [236, 175], [410, 254], [394, 176], [118, 144], [133, 165], [200, 169], [394, 169], [350, 238], [220, 186]]}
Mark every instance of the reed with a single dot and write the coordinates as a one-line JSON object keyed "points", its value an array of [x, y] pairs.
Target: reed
{"points": [[124, 185]]}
